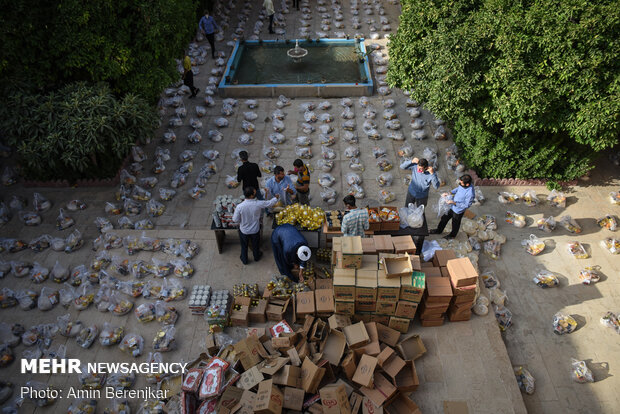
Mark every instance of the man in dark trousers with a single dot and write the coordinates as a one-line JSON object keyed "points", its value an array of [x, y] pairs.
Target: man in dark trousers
{"points": [[291, 251], [464, 196], [208, 27], [188, 75], [248, 174], [248, 215], [302, 186]]}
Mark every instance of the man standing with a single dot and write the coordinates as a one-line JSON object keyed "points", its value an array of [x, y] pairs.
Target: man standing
{"points": [[464, 196], [280, 184], [188, 75], [302, 186], [422, 177], [248, 173], [268, 5], [208, 27], [248, 215], [356, 220], [290, 251]]}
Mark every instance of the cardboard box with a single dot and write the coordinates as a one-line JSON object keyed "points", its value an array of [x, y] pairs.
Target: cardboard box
{"points": [[257, 311], [318, 331], [462, 272], [444, 272], [388, 289], [293, 398], [372, 348], [249, 351], [392, 225], [383, 244], [366, 285], [402, 405], [383, 391], [349, 365], [433, 322], [432, 272], [368, 245], [356, 335], [400, 324], [386, 308], [305, 304], [271, 365], [363, 317], [344, 284], [441, 257], [388, 335], [276, 308], [395, 267], [239, 317], [289, 376], [269, 399], [334, 347], [324, 299], [345, 307], [416, 264], [438, 290], [393, 365], [365, 306], [334, 400], [251, 378], [338, 321], [382, 319], [426, 265], [411, 348], [365, 370], [370, 261], [374, 225], [403, 244], [246, 404], [323, 284], [260, 333], [412, 287], [311, 376], [406, 309], [355, 400], [352, 252], [407, 378]]}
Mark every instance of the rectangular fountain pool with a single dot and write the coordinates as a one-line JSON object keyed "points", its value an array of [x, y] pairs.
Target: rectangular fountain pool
{"points": [[332, 68]]}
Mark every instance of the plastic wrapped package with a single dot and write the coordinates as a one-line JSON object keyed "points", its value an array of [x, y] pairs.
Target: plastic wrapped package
{"points": [[63, 221], [132, 343], [326, 180], [303, 152], [347, 114], [85, 295], [440, 133], [608, 222], [164, 340], [84, 405], [68, 328], [386, 196], [38, 273], [110, 335], [5, 214], [187, 155], [589, 275], [379, 152], [9, 176], [517, 220], [20, 269], [525, 380], [350, 137], [276, 138], [384, 164], [29, 218], [182, 268], [415, 216], [577, 250], [346, 102], [418, 134], [393, 125], [443, 207], [306, 128], [614, 197], [277, 125], [507, 198], [36, 245], [165, 313], [148, 182], [493, 249], [546, 224], [178, 179], [145, 312], [325, 105], [563, 324], [328, 195], [74, 241], [279, 115], [169, 136], [546, 279], [487, 222], [470, 227], [247, 126], [396, 136], [474, 242], [310, 116], [154, 208], [370, 113], [356, 191], [40, 203], [327, 140], [125, 223], [481, 306], [303, 141], [529, 198], [611, 244], [7, 298], [87, 336], [5, 269], [556, 199], [580, 372], [611, 320], [503, 316], [533, 245]]}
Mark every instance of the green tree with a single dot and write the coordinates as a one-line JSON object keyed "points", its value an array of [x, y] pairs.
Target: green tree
{"points": [[131, 44], [531, 88], [79, 131]]}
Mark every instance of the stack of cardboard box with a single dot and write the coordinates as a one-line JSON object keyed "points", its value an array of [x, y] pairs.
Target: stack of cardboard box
{"points": [[437, 298], [463, 277], [380, 286]]}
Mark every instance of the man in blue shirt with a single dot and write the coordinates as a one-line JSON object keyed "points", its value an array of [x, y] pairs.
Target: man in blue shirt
{"points": [[208, 27], [464, 196], [422, 177], [280, 184]]}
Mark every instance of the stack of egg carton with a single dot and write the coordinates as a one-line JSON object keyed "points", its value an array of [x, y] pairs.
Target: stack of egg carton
{"points": [[199, 299], [224, 208]]}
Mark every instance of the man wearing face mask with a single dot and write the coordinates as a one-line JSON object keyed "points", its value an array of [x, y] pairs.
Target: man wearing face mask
{"points": [[302, 186], [464, 196], [422, 177]]}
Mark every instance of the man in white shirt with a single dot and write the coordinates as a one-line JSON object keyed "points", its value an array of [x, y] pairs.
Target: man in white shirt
{"points": [[268, 5], [248, 215]]}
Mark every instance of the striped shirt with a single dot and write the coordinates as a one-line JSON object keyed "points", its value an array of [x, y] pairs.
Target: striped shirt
{"points": [[355, 222], [303, 177]]}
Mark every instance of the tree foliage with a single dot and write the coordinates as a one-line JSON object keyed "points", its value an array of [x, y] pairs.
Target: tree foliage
{"points": [[532, 87], [79, 131], [131, 44]]}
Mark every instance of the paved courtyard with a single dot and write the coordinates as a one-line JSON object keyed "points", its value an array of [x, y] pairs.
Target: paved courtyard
{"points": [[466, 361]]}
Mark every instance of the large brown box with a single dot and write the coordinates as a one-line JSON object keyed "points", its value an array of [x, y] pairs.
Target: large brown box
{"points": [[256, 313], [462, 272], [344, 284], [397, 266], [269, 399], [345, 307], [406, 309], [388, 289], [365, 306], [403, 244], [400, 324], [352, 252], [368, 246], [370, 262], [293, 398], [441, 257], [386, 308], [366, 285], [438, 290], [365, 369], [334, 400], [383, 244], [305, 304], [393, 225], [432, 271], [324, 301]]}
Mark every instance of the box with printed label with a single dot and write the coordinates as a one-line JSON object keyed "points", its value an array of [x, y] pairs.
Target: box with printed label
{"points": [[412, 287], [352, 252], [365, 306], [365, 370], [400, 324], [388, 289], [366, 285], [406, 309], [305, 304], [344, 284], [269, 399], [324, 299], [386, 308], [368, 246], [388, 335], [334, 400], [345, 307], [397, 266], [383, 244], [383, 319], [370, 261], [293, 398], [356, 335], [403, 244]]}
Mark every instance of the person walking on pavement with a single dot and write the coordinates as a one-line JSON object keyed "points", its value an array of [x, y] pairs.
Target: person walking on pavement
{"points": [[188, 75], [464, 196], [422, 177], [356, 220], [248, 214], [268, 5], [248, 174], [290, 251], [208, 27], [280, 184], [296, 4], [302, 186]]}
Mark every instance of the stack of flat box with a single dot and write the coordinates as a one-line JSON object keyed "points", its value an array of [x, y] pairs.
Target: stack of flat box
{"points": [[436, 301], [463, 277]]}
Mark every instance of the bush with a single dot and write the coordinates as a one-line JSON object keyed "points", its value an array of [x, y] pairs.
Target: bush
{"points": [[532, 88], [79, 131]]}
